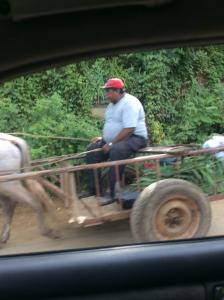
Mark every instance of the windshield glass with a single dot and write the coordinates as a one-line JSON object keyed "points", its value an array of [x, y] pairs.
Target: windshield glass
{"points": [[113, 151]]}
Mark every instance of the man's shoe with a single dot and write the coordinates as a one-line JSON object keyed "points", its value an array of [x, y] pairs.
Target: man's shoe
{"points": [[85, 195], [106, 200]]}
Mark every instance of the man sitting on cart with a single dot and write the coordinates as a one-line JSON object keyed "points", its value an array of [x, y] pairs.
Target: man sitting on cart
{"points": [[124, 133]]}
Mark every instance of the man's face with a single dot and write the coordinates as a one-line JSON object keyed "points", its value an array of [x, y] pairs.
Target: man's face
{"points": [[113, 95]]}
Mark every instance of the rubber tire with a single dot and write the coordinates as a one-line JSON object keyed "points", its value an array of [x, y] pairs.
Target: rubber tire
{"points": [[151, 199]]}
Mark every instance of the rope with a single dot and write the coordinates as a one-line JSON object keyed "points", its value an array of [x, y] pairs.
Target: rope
{"points": [[58, 159], [51, 160], [49, 137]]}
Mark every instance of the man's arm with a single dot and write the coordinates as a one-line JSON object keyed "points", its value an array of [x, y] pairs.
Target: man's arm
{"points": [[123, 134]]}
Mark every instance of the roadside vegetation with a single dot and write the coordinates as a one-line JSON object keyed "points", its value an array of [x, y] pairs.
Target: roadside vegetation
{"points": [[182, 91]]}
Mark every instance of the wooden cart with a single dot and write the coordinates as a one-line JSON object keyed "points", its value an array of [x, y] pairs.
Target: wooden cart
{"points": [[167, 209]]}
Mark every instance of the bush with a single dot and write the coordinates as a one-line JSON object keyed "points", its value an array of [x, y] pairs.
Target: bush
{"points": [[49, 118], [181, 90], [204, 171], [9, 117]]}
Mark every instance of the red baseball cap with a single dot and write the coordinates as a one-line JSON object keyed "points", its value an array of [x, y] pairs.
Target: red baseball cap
{"points": [[114, 83]]}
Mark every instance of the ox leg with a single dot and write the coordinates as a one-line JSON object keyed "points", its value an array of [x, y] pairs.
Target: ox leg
{"points": [[8, 208], [39, 193], [21, 195]]}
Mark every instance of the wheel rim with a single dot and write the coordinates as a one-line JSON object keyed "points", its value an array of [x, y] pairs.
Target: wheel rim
{"points": [[176, 218]]}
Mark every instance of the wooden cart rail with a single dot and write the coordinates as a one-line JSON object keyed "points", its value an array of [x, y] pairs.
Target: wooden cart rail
{"points": [[63, 182], [57, 171]]}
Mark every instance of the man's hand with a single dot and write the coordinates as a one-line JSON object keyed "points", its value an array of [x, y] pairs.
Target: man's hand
{"points": [[106, 148], [96, 139]]}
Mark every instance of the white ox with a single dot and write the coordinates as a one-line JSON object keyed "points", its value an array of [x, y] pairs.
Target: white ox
{"points": [[14, 155]]}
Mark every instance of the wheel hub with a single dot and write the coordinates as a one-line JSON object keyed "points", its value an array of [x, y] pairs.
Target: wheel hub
{"points": [[177, 218]]}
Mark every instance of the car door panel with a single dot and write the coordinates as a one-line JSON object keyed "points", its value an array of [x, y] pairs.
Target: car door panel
{"points": [[182, 268]]}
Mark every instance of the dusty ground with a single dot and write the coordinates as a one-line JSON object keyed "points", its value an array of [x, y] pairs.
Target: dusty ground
{"points": [[25, 236]]}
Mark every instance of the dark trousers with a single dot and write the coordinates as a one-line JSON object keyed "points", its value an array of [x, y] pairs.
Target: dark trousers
{"points": [[118, 151]]}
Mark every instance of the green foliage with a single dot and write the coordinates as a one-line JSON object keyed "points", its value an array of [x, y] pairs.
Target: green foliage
{"points": [[181, 89], [199, 117], [9, 120], [50, 118], [204, 171]]}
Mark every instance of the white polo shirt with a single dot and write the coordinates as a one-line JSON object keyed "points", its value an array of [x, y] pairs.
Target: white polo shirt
{"points": [[128, 112]]}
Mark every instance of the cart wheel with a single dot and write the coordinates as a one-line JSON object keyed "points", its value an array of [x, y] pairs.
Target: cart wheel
{"points": [[170, 209]]}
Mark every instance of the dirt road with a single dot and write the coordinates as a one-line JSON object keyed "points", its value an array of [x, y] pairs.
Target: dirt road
{"points": [[25, 236]]}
